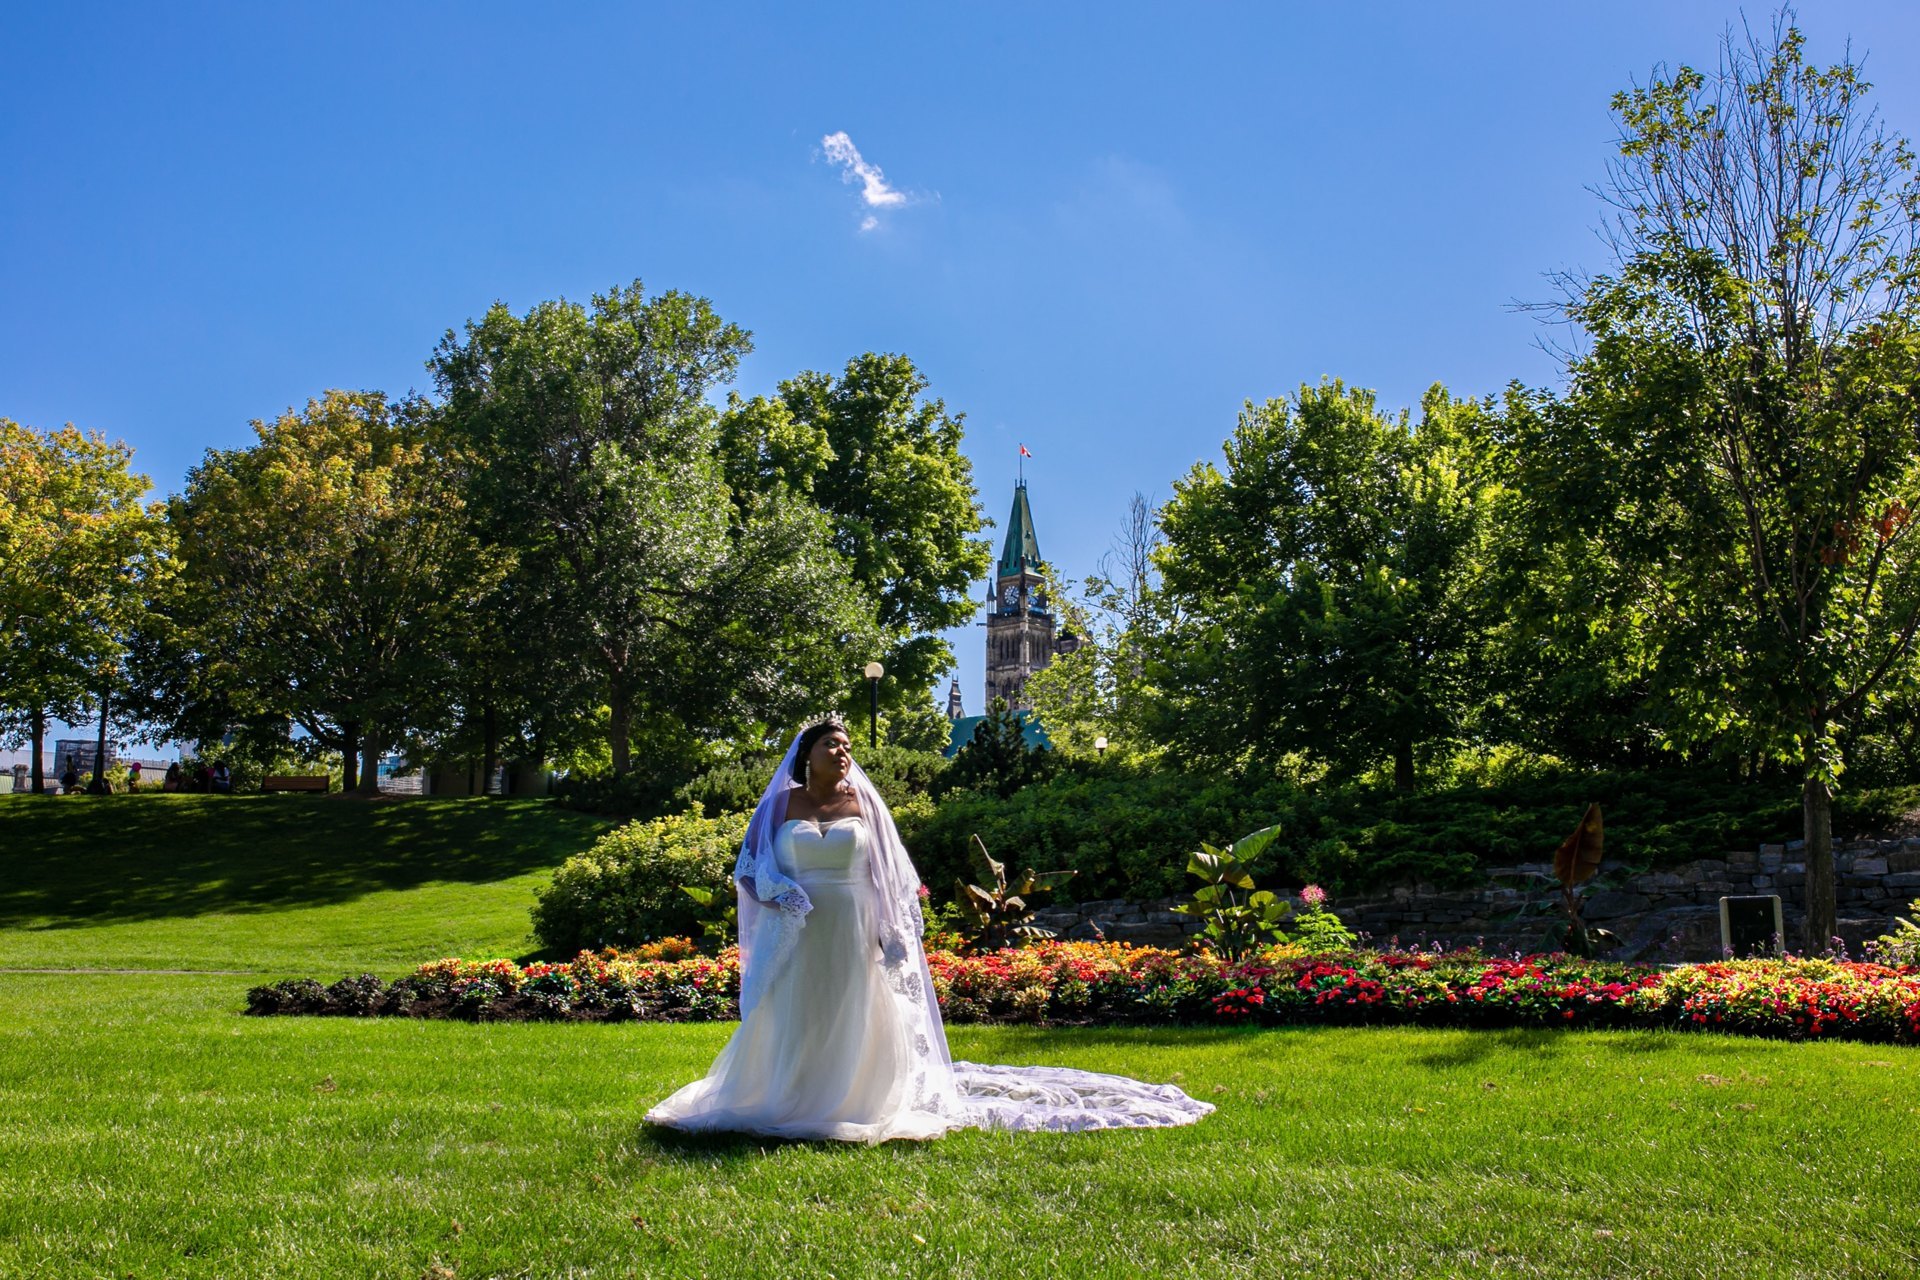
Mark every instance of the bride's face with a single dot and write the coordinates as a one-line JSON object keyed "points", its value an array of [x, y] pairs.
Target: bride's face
{"points": [[831, 757]]}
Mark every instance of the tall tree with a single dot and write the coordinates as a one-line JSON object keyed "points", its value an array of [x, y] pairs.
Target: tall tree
{"points": [[80, 556], [883, 461], [1741, 435], [597, 458], [1100, 689], [1329, 580], [328, 570]]}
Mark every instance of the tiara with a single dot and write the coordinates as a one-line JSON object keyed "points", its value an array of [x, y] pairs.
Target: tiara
{"points": [[833, 718]]}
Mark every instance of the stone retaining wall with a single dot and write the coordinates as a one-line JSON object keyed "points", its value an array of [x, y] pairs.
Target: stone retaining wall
{"points": [[1669, 914]]}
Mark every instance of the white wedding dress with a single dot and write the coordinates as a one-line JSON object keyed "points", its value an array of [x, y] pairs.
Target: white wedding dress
{"points": [[830, 1047]]}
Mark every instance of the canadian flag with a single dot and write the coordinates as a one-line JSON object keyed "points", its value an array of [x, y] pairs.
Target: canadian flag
{"points": [[1025, 452]]}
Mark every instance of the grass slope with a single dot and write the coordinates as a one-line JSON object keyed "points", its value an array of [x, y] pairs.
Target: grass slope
{"points": [[272, 884], [148, 1129]]}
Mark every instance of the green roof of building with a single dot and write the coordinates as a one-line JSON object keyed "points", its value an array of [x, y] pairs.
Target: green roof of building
{"points": [[1022, 550], [1031, 733]]}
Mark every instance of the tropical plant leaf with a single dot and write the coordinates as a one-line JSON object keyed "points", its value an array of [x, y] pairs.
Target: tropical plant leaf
{"points": [[1254, 843], [996, 870], [1578, 856], [1204, 862]]}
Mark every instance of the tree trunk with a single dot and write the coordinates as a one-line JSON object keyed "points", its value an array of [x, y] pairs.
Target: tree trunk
{"points": [[370, 748], [489, 748], [36, 765], [350, 756], [100, 746], [1816, 806], [620, 728], [1403, 765]]}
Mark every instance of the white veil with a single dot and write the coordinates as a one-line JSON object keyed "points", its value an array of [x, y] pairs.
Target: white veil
{"points": [[773, 909]]}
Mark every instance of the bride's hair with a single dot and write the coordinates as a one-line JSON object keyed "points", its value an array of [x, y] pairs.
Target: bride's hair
{"points": [[810, 735]]}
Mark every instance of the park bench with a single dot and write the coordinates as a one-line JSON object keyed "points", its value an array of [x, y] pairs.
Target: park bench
{"points": [[296, 782]]}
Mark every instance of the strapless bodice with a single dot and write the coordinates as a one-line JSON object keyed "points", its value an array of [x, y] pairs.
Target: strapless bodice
{"points": [[809, 851]]}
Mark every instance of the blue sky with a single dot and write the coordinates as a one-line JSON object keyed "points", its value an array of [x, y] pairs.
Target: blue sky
{"points": [[1115, 223]]}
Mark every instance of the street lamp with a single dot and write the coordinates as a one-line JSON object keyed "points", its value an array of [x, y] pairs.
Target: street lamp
{"points": [[874, 672], [1100, 745]]}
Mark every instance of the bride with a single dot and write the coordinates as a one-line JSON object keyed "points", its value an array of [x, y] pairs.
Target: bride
{"points": [[840, 1035]]}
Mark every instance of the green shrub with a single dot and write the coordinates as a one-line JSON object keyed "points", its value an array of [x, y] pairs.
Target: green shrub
{"points": [[1128, 830], [626, 888], [897, 772]]}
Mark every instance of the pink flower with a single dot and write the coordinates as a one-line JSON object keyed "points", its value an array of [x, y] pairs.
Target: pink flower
{"points": [[1313, 896], [925, 893]]}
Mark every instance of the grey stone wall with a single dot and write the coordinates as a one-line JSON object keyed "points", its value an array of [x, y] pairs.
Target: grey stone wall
{"points": [[1670, 914]]}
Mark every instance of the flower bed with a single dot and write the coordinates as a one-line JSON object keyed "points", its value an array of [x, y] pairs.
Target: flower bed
{"points": [[1080, 983]]}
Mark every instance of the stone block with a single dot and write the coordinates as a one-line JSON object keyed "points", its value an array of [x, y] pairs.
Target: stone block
{"points": [[1744, 860], [1710, 867], [1870, 866], [1902, 882], [1796, 846], [1904, 860], [1763, 882], [1773, 850], [1612, 904], [1800, 867], [1715, 887], [1771, 861], [1790, 879]]}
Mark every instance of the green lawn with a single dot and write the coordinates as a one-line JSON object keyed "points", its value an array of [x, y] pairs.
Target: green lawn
{"points": [[284, 885], [148, 1129]]}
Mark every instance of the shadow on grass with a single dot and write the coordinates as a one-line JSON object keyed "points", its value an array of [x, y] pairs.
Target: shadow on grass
{"points": [[1472, 1045], [730, 1149], [79, 860]]}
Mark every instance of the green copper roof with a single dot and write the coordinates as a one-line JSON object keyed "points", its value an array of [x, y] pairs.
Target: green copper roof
{"points": [[1023, 549]]}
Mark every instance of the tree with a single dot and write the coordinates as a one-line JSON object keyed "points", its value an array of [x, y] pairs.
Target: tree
{"points": [[1329, 581], [329, 570], [80, 556], [1099, 689], [884, 463], [997, 757], [700, 611], [1740, 435]]}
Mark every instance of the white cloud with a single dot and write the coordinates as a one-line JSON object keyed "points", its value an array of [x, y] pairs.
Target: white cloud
{"points": [[874, 190]]}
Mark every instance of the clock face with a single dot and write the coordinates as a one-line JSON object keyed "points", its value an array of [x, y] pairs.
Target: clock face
{"points": [[1009, 594]]}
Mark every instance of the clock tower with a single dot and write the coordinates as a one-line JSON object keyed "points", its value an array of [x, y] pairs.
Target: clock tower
{"points": [[1020, 626]]}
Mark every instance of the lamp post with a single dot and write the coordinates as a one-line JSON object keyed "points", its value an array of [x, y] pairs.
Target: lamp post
{"points": [[1100, 745], [874, 672]]}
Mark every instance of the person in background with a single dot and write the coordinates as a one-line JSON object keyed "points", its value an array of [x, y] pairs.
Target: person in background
{"points": [[222, 779], [173, 781], [70, 780], [133, 777]]}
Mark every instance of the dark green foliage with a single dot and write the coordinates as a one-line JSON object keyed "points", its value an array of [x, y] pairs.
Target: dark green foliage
{"points": [[719, 912], [625, 795], [737, 785], [1128, 832]]}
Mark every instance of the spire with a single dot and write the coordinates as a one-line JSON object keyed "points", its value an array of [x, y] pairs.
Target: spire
{"points": [[1022, 551]]}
